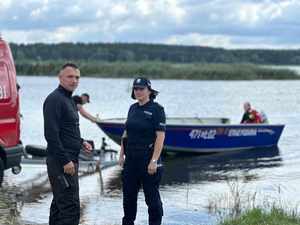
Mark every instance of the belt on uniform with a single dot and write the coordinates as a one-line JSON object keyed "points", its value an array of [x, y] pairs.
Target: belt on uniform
{"points": [[140, 146]]}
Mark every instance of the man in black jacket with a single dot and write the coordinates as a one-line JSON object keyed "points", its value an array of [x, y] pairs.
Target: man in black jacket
{"points": [[61, 127]]}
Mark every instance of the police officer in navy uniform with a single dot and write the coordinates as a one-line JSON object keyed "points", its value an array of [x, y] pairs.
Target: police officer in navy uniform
{"points": [[141, 147]]}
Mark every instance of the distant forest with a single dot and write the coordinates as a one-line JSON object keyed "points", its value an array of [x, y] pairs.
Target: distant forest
{"points": [[155, 61], [122, 52]]}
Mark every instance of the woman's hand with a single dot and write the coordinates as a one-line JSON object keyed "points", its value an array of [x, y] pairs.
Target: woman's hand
{"points": [[152, 167]]}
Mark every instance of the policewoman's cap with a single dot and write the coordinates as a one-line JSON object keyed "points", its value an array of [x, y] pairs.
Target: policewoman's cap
{"points": [[143, 82]]}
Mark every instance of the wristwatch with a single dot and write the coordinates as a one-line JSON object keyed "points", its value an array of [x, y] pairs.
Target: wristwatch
{"points": [[154, 160]]}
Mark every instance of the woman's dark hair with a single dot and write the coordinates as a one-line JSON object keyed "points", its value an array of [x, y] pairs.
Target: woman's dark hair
{"points": [[153, 94]]}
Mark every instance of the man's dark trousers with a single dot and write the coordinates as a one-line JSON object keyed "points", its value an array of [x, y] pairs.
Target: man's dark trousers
{"points": [[65, 206]]}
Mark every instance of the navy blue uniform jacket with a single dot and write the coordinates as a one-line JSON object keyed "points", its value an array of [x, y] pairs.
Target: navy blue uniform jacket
{"points": [[143, 122]]}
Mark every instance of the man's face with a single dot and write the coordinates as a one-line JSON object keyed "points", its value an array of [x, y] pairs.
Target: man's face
{"points": [[69, 78], [246, 106]]}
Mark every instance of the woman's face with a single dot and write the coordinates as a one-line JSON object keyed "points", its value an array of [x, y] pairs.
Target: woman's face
{"points": [[141, 93]]}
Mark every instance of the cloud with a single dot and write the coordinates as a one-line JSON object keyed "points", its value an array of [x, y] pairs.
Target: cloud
{"points": [[220, 23], [199, 39], [251, 14], [5, 5]]}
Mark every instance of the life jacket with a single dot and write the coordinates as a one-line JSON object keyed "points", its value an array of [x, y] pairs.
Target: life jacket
{"points": [[254, 116]]}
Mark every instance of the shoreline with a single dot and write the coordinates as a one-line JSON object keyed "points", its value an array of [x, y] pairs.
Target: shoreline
{"points": [[161, 70]]}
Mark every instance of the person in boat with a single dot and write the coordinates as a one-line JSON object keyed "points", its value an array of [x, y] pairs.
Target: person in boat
{"points": [[263, 117], [104, 144], [140, 156], [80, 101], [250, 115], [64, 142]]}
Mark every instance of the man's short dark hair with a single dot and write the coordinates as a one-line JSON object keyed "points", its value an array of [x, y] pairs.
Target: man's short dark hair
{"points": [[87, 96], [69, 65]]}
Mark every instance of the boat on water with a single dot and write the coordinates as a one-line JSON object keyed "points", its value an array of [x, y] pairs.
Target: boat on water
{"points": [[205, 135]]}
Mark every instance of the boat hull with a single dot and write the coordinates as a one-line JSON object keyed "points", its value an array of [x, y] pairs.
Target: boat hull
{"points": [[208, 138]]}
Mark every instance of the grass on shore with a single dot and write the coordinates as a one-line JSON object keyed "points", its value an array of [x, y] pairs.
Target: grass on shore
{"points": [[258, 216], [240, 207], [160, 70]]}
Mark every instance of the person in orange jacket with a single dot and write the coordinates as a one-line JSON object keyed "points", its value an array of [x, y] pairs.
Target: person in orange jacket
{"points": [[250, 114]]}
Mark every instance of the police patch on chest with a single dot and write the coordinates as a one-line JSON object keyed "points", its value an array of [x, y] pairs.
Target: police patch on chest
{"points": [[148, 113]]}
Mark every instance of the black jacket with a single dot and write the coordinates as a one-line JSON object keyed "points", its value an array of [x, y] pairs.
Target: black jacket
{"points": [[61, 126]]}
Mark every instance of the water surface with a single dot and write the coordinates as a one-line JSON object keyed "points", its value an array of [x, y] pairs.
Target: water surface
{"points": [[190, 182]]}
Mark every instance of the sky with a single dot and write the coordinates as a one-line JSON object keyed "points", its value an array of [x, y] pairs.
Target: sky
{"points": [[232, 24]]}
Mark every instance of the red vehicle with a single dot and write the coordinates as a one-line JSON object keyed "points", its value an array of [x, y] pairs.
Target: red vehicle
{"points": [[11, 148]]}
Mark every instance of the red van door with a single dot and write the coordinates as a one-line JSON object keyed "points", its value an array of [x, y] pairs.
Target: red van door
{"points": [[9, 108], [11, 148]]}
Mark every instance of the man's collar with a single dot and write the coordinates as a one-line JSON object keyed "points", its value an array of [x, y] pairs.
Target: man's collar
{"points": [[65, 91]]}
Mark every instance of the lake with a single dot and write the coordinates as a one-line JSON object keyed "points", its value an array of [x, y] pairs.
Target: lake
{"points": [[190, 183]]}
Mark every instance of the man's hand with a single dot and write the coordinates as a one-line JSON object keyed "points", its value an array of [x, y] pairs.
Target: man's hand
{"points": [[69, 168], [87, 147], [152, 168], [94, 119]]}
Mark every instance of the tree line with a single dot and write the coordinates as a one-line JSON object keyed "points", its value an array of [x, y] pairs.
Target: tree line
{"points": [[161, 70], [135, 52]]}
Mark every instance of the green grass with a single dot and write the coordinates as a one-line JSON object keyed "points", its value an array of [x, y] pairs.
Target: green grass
{"points": [[160, 70], [257, 216], [241, 207]]}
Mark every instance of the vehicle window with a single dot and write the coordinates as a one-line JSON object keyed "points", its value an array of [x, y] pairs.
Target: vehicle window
{"points": [[5, 90]]}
